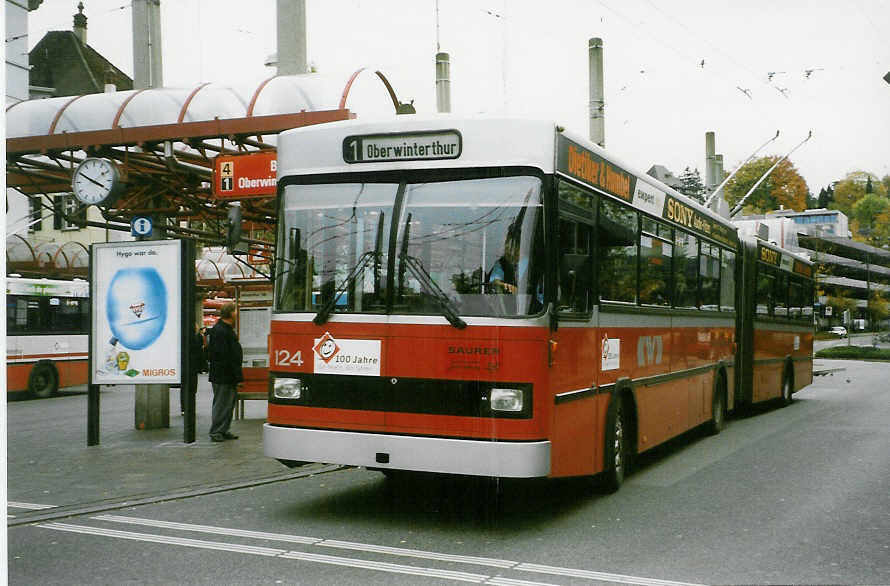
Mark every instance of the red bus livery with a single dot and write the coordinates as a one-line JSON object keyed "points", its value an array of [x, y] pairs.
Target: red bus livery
{"points": [[522, 305]]}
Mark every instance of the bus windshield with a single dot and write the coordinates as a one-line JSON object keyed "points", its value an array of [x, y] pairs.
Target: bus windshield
{"points": [[471, 247]]}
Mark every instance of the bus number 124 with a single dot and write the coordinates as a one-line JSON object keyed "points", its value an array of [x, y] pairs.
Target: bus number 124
{"points": [[285, 358]]}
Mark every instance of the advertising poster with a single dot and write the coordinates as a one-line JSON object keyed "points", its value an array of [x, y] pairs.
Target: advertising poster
{"points": [[136, 312]]}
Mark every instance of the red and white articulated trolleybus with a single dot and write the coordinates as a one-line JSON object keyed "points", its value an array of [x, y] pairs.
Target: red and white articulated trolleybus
{"points": [[495, 297], [47, 324]]}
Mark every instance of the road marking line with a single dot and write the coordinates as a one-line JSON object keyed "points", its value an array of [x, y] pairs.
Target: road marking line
{"points": [[593, 575], [200, 543], [30, 506], [209, 529], [416, 553], [501, 581], [386, 567], [270, 552], [310, 541], [397, 551]]}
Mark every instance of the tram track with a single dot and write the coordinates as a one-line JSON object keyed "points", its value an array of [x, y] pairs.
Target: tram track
{"points": [[48, 513]]}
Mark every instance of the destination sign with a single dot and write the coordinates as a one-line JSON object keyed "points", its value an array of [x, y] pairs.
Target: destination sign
{"points": [[415, 146]]}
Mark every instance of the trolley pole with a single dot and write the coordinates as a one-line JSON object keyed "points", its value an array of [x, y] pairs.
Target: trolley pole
{"points": [[741, 202]]}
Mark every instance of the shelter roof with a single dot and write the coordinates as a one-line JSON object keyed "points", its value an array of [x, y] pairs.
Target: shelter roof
{"points": [[165, 141]]}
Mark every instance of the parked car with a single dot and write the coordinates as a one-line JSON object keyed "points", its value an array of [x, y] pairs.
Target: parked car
{"points": [[839, 331]]}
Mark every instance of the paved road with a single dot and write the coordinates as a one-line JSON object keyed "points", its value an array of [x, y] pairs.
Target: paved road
{"points": [[796, 495], [855, 340]]}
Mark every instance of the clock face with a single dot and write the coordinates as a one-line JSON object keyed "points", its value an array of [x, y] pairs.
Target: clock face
{"points": [[95, 180]]}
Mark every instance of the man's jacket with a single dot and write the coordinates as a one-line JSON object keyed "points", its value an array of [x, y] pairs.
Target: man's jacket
{"points": [[225, 355]]}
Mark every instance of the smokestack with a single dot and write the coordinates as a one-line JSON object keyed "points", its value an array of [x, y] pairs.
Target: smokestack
{"points": [[597, 106], [718, 171], [710, 159], [291, 37], [443, 83], [147, 61], [80, 24]]}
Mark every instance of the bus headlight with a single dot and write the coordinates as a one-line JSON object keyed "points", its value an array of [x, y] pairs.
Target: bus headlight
{"points": [[288, 388], [506, 400]]}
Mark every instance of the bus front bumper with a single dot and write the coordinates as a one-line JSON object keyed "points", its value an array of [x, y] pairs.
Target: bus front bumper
{"points": [[400, 452]]}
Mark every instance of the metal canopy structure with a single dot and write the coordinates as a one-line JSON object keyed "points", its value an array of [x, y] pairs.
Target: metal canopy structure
{"points": [[165, 141]]}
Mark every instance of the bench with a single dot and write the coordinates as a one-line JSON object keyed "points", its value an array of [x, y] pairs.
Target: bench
{"points": [[254, 387]]}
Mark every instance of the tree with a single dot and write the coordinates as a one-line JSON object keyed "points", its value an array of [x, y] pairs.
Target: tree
{"points": [[841, 302], [853, 188], [784, 187], [870, 214], [826, 197], [878, 309], [692, 185], [812, 202]]}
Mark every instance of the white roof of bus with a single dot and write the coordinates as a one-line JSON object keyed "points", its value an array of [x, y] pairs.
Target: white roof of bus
{"points": [[488, 141], [27, 286]]}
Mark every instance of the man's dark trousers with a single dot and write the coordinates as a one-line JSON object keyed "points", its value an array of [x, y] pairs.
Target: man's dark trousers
{"points": [[224, 396]]}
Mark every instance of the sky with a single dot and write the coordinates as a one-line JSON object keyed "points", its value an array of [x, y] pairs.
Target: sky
{"points": [[673, 70]]}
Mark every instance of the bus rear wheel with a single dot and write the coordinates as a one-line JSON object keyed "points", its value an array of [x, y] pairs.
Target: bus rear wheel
{"points": [[616, 448], [718, 407], [43, 382], [787, 388]]}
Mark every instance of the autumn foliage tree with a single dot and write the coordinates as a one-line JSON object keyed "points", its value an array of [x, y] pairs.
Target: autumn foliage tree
{"points": [[783, 188]]}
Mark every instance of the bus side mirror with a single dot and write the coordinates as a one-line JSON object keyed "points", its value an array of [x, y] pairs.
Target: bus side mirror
{"points": [[554, 316]]}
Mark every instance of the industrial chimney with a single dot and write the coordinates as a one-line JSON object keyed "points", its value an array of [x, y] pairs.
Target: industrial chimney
{"points": [[597, 106], [292, 37], [147, 61], [443, 83], [710, 161]]}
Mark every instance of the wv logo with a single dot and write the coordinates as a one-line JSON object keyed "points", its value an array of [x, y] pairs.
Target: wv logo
{"points": [[649, 350]]}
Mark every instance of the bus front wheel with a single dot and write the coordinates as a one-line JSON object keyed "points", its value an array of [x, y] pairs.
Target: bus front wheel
{"points": [[43, 382]]}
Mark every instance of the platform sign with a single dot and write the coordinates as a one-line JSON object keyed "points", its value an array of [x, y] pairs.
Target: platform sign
{"points": [[245, 175], [137, 309]]}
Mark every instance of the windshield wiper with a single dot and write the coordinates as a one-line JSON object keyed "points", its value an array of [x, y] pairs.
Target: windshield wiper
{"points": [[417, 269], [325, 312]]}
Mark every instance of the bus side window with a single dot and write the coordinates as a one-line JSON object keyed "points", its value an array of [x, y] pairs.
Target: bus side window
{"points": [[764, 297], [575, 266], [796, 298], [656, 263], [809, 298], [617, 240], [780, 304], [709, 275], [727, 280], [685, 270]]}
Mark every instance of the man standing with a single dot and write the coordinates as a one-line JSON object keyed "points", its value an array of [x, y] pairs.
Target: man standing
{"points": [[225, 372]]}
